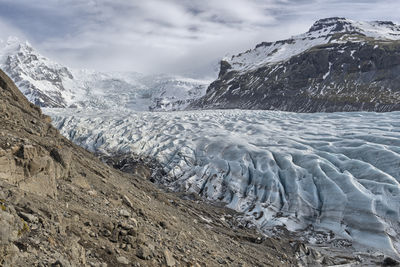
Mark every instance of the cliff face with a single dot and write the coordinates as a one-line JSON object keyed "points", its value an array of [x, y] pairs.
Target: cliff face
{"points": [[339, 65], [61, 206]]}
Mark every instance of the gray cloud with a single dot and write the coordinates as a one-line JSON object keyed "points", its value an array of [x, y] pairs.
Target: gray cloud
{"points": [[172, 36]]}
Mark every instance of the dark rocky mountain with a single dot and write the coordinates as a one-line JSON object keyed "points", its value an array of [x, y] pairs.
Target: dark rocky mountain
{"points": [[338, 65]]}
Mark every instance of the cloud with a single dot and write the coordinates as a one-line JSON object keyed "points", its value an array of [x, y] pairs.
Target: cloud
{"points": [[8, 30], [174, 36]]}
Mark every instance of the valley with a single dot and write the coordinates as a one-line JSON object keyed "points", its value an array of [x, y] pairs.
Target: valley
{"points": [[290, 157], [335, 173]]}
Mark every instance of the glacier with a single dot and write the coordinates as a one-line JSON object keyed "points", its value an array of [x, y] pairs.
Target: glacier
{"points": [[47, 83], [337, 173]]}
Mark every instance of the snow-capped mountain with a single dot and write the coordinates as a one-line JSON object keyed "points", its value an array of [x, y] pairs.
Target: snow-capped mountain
{"points": [[40, 80], [338, 65], [331, 178], [50, 84]]}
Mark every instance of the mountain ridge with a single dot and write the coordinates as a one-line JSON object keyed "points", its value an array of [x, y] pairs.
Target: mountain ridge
{"points": [[338, 65], [50, 84]]}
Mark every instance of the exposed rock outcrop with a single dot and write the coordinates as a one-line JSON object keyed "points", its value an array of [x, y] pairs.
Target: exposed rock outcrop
{"points": [[339, 65]]}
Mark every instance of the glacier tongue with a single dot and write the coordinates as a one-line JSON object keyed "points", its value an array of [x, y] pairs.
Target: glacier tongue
{"points": [[338, 172]]}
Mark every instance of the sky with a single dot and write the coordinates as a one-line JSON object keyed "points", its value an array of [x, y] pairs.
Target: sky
{"points": [[184, 37]]}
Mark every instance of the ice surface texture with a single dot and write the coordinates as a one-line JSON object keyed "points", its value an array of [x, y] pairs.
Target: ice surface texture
{"points": [[336, 171]]}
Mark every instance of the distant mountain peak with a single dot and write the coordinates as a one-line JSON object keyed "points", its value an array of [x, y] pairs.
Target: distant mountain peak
{"points": [[385, 22], [14, 42], [324, 31], [376, 29], [49, 84], [335, 24], [338, 65]]}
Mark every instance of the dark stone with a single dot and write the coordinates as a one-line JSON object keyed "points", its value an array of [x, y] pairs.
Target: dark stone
{"points": [[390, 262], [106, 233], [144, 253], [163, 225], [114, 236], [57, 264], [224, 67]]}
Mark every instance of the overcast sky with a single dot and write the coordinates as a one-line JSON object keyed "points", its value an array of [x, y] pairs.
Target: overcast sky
{"points": [[185, 37]]}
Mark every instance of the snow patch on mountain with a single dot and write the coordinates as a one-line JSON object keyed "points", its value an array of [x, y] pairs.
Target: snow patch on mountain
{"points": [[324, 31], [335, 172], [40, 79]]}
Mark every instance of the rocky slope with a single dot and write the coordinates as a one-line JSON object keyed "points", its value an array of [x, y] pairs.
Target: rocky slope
{"points": [[60, 206], [49, 84], [338, 65], [321, 176]]}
